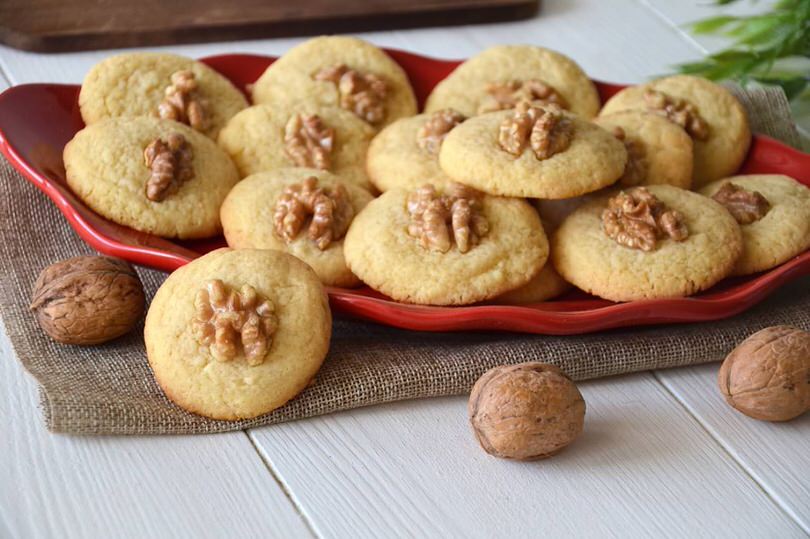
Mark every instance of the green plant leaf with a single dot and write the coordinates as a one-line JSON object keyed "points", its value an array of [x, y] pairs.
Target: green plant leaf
{"points": [[712, 24]]}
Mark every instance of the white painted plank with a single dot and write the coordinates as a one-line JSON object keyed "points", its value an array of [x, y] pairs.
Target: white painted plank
{"points": [[642, 468], [179, 486], [775, 454]]}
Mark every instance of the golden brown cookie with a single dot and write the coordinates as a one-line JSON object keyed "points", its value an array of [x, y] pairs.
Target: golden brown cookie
{"points": [[276, 210], [547, 284], [775, 229], [338, 71], [473, 154], [404, 245], [587, 257], [136, 83], [713, 117], [178, 195], [237, 333], [261, 138], [498, 76], [658, 151]]}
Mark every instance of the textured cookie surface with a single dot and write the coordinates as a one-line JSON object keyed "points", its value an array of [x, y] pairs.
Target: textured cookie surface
{"points": [[465, 89], [247, 221], [783, 232], [586, 257], [395, 159], [199, 383], [133, 84], [289, 80], [105, 167], [729, 136], [664, 149], [380, 251], [545, 285], [254, 139], [471, 155]]}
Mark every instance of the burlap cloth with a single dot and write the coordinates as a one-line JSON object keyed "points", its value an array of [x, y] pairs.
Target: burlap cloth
{"points": [[109, 389]]}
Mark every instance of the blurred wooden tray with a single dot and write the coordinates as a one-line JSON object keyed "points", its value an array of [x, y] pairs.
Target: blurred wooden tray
{"points": [[48, 26]]}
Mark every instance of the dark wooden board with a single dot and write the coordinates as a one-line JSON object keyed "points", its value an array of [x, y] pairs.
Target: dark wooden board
{"points": [[71, 25]]}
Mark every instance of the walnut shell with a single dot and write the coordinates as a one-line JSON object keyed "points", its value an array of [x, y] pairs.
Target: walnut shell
{"points": [[88, 299], [767, 376], [525, 412]]}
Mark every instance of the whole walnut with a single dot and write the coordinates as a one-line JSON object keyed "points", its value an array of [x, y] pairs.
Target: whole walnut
{"points": [[87, 299], [526, 412], [767, 376]]}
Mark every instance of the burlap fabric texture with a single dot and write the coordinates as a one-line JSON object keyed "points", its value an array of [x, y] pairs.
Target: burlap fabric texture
{"points": [[109, 389]]}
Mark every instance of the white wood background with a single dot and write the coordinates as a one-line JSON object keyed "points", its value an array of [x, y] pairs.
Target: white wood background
{"points": [[661, 455]]}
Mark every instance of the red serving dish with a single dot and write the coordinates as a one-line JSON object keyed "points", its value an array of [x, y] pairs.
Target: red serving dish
{"points": [[37, 120]]}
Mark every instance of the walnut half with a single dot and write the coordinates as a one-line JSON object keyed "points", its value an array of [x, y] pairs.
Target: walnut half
{"points": [[308, 141], [678, 111], [744, 205], [506, 95], [545, 129], [439, 220], [182, 102], [637, 219], [225, 319], [361, 93], [431, 135], [328, 212], [170, 162]]}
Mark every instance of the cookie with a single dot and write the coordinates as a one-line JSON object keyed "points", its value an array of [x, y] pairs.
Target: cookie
{"points": [[547, 284], [404, 245], [473, 155], [713, 117], [253, 217], [658, 151], [338, 71], [774, 231], [330, 139], [584, 254], [106, 167], [405, 153], [135, 84], [498, 76], [236, 334]]}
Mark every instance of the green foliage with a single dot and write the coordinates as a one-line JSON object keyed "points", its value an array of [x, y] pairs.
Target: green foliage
{"points": [[761, 44]]}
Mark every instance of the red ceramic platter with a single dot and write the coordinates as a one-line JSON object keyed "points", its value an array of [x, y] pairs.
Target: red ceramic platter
{"points": [[37, 120]]}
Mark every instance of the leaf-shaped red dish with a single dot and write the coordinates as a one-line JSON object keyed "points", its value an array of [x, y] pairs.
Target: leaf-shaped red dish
{"points": [[37, 120]]}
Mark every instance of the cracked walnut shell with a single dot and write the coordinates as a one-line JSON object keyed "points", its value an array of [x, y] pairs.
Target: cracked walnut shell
{"points": [[87, 299], [767, 376], [525, 412]]}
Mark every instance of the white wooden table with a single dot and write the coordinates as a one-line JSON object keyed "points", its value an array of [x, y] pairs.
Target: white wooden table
{"points": [[660, 456]]}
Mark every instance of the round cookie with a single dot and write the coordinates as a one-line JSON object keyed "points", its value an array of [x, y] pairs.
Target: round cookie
{"points": [[236, 387], [586, 257], [254, 139], [783, 232], [471, 155], [659, 151], [545, 285], [133, 84], [248, 221], [380, 251], [395, 159], [465, 89], [290, 82], [729, 136], [105, 167]]}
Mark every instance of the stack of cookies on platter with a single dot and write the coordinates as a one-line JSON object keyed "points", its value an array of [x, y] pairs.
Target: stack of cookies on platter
{"points": [[513, 185]]}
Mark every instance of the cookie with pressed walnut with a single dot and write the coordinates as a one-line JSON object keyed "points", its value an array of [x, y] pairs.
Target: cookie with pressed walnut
{"points": [[648, 242], [305, 212], [658, 151], [235, 334], [160, 85], [714, 118], [773, 212], [532, 151], [501, 76], [405, 154], [153, 175], [263, 138], [339, 71], [452, 246]]}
